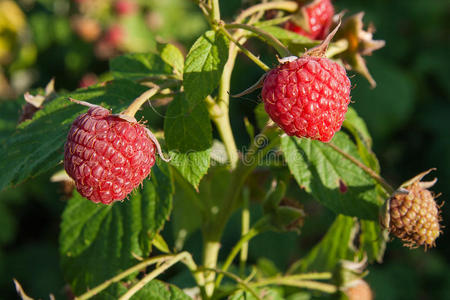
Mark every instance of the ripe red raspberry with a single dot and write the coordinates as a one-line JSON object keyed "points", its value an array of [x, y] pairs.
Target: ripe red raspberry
{"points": [[107, 156], [307, 96], [317, 16], [126, 7]]}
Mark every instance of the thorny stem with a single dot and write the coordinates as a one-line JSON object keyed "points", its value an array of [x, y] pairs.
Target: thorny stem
{"points": [[150, 276], [250, 55], [388, 188], [290, 6], [281, 49], [91, 293]]}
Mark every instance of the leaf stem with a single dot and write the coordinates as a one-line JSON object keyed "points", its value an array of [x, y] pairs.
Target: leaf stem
{"points": [[287, 281], [139, 101], [290, 6], [150, 276], [257, 229], [245, 227], [122, 275], [311, 276], [388, 188], [272, 40], [249, 54], [236, 278]]}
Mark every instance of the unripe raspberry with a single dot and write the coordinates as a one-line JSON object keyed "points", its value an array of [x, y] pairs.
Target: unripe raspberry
{"points": [[107, 156], [413, 213], [316, 19], [359, 290], [307, 97]]}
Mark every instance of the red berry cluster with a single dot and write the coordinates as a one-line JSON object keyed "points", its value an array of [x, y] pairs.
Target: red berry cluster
{"points": [[107, 156], [307, 97]]}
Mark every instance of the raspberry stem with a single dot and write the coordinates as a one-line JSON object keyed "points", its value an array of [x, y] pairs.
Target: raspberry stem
{"points": [[139, 101], [150, 276], [289, 281], [258, 228], [272, 40], [250, 55], [245, 286], [136, 268]]}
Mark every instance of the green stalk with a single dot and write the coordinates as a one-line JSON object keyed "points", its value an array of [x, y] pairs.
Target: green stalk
{"points": [[250, 55], [308, 284], [236, 278], [272, 40], [289, 6], [150, 276], [257, 229], [215, 11], [245, 227], [211, 249], [154, 260]]}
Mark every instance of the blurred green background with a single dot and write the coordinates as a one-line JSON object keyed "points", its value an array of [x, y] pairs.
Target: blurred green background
{"points": [[407, 114]]}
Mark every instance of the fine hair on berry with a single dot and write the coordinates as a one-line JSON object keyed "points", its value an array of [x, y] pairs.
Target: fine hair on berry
{"points": [[307, 97], [107, 156]]}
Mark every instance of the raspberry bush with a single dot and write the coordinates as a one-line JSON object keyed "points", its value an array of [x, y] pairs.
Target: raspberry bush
{"points": [[151, 186]]}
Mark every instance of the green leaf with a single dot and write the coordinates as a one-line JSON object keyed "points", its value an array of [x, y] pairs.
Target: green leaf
{"points": [[268, 293], [160, 244], [204, 65], [372, 240], [261, 115], [334, 246], [138, 66], [296, 43], [188, 135], [154, 290], [330, 177], [359, 131], [157, 290], [186, 215], [38, 144], [98, 241], [172, 56], [287, 35]]}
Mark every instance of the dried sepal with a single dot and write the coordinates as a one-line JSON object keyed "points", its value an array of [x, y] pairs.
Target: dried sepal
{"points": [[360, 43]]}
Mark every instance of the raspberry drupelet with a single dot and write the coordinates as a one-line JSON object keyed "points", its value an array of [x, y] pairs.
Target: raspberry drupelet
{"points": [[107, 156], [318, 16], [307, 97]]}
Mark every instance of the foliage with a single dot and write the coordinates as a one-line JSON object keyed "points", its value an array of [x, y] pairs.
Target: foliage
{"points": [[196, 193]]}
